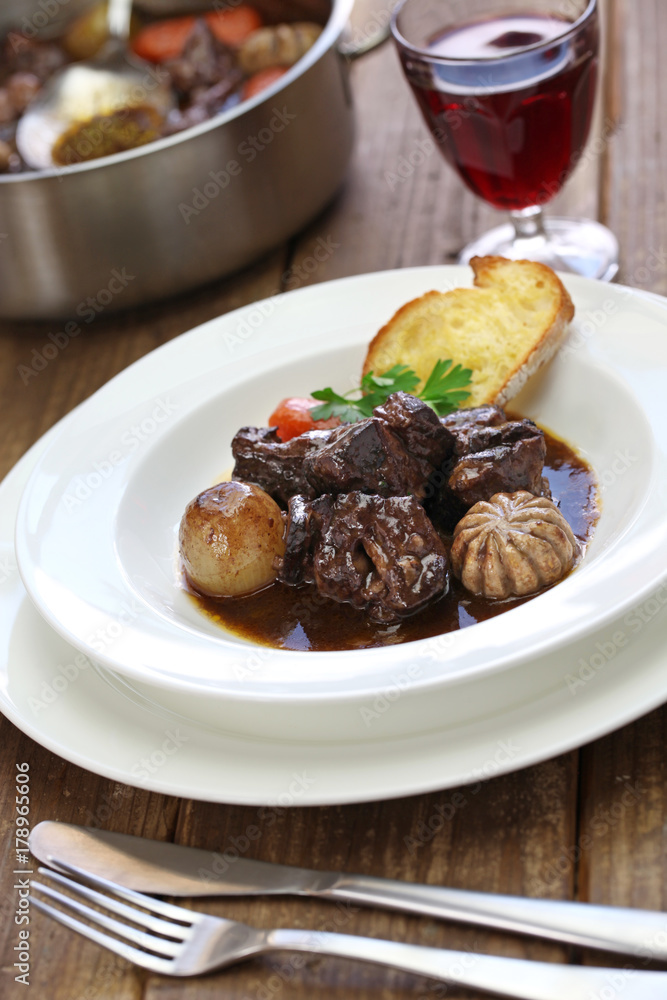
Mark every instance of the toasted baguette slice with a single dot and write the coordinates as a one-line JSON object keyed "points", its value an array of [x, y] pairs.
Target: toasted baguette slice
{"points": [[504, 329]]}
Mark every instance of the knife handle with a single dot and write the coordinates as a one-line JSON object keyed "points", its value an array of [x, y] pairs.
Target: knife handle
{"points": [[642, 933]]}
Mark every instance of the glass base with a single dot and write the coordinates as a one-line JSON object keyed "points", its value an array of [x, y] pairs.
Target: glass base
{"points": [[577, 246]]}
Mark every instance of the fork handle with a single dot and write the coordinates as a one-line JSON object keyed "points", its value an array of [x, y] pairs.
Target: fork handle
{"points": [[505, 977], [642, 933]]}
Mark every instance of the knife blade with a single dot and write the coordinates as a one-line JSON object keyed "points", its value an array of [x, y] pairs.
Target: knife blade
{"points": [[166, 869], [176, 870]]}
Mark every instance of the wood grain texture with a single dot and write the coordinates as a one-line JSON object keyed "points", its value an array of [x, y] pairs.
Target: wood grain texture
{"points": [[635, 193], [37, 388], [590, 824]]}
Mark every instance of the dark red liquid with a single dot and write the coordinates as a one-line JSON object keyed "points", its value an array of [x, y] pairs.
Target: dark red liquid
{"points": [[513, 128]]}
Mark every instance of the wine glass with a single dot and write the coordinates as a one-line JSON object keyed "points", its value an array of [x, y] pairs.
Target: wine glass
{"points": [[507, 88]]}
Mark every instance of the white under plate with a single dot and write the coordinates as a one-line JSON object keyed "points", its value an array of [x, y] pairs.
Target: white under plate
{"points": [[53, 694], [96, 532]]}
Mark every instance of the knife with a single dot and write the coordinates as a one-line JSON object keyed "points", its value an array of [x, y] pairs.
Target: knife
{"points": [[167, 869]]}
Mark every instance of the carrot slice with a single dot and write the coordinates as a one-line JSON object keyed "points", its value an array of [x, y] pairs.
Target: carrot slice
{"points": [[163, 40], [261, 80], [232, 25]]}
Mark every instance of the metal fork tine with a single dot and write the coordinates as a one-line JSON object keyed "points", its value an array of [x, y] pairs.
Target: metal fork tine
{"points": [[147, 902], [140, 938], [168, 928], [152, 962]]}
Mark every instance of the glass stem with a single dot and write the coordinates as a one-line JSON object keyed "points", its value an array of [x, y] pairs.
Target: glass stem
{"points": [[528, 223]]}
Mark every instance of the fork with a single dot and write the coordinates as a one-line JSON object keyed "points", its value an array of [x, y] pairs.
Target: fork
{"points": [[173, 941]]}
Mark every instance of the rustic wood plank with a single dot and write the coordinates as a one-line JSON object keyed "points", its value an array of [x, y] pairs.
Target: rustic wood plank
{"points": [[445, 838], [62, 966], [623, 832], [442, 838], [635, 204], [44, 374]]}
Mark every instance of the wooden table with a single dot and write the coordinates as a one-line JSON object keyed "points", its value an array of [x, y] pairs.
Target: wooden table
{"points": [[589, 825]]}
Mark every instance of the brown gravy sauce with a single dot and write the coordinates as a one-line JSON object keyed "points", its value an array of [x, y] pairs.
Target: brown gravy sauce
{"points": [[300, 618]]}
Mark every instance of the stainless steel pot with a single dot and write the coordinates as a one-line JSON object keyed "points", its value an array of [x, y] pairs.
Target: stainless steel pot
{"points": [[185, 210]]}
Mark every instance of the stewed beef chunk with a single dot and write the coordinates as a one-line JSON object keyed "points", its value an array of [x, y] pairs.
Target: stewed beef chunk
{"points": [[418, 427], [392, 453], [484, 438], [364, 456], [275, 465], [379, 554], [203, 62], [491, 455], [21, 54], [304, 522], [501, 460], [205, 74], [463, 423]]}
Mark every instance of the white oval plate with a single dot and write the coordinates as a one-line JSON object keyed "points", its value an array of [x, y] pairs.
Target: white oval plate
{"points": [[93, 719], [95, 535]]}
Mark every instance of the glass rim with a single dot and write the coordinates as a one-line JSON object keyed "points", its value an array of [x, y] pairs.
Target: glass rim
{"points": [[434, 57]]}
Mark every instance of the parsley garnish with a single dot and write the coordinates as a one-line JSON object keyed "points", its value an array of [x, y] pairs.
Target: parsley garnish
{"points": [[444, 391]]}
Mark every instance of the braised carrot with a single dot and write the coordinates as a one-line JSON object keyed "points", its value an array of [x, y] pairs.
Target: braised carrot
{"points": [[260, 81], [163, 40], [233, 24]]}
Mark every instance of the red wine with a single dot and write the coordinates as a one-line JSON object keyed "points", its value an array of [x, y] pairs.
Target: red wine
{"points": [[512, 127]]}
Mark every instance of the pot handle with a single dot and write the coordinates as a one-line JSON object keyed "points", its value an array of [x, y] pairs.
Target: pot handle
{"points": [[364, 40]]}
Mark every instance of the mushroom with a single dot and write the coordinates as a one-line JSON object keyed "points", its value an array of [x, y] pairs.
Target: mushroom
{"points": [[512, 545], [277, 45]]}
